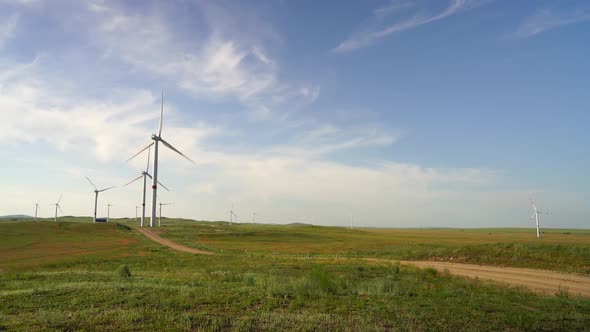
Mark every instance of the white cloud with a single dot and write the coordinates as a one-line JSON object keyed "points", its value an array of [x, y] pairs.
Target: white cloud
{"points": [[37, 112], [7, 28], [547, 19], [217, 64], [369, 36]]}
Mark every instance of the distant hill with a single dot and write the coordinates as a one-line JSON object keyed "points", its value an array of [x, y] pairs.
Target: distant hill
{"points": [[15, 216], [299, 224]]}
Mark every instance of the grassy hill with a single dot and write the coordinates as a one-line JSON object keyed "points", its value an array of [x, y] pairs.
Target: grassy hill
{"points": [[84, 276]]}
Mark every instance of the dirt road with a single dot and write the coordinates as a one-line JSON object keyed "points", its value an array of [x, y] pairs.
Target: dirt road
{"points": [[541, 281], [155, 237]]}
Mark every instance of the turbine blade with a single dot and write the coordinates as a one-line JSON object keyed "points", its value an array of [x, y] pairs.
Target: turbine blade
{"points": [[175, 150], [533, 204], [532, 216], [59, 200], [148, 163], [59, 207], [161, 115], [107, 189], [130, 182], [91, 183], [147, 147], [148, 175], [163, 186]]}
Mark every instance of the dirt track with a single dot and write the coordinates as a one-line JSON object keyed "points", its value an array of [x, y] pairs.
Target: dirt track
{"points": [[541, 281], [155, 237]]}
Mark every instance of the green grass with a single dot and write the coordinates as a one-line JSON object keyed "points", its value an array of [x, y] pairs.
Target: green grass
{"points": [[128, 283], [558, 249]]}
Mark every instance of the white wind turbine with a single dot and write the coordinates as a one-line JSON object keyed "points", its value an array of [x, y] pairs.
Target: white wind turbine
{"points": [[144, 174], [232, 215], [57, 207], [96, 191], [156, 140], [160, 218], [136, 207], [535, 215], [253, 218], [36, 209]]}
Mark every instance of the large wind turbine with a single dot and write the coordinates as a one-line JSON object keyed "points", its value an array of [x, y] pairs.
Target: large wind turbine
{"points": [[160, 218], [144, 174], [36, 209], [535, 215], [96, 191], [56, 207], [156, 140]]}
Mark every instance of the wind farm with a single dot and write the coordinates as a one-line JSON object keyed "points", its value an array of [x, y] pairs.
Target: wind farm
{"points": [[321, 265], [386, 165]]}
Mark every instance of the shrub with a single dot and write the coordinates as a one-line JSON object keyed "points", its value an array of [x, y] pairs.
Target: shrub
{"points": [[124, 272]]}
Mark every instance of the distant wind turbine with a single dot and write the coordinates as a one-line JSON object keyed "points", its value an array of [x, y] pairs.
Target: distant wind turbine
{"points": [[160, 219], [232, 215], [96, 191], [535, 215], [136, 207], [36, 209], [144, 174], [57, 207], [156, 140], [254, 218]]}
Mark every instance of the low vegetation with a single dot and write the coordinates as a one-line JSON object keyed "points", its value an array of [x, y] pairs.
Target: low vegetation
{"points": [[262, 278]]}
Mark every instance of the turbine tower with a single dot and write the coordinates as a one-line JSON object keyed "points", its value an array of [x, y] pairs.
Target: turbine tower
{"points": [[156, 140], [144, 174], [535, 215], [109, 211], [160, 218], [96, 191], [57, 207], [36, 209]]}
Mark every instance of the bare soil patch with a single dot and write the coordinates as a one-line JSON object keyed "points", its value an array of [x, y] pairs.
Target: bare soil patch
{"points": [[541, 281], [155, 237]]}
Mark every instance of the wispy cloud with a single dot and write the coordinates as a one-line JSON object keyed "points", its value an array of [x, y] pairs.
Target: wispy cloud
{"points": [[226, 62], [7, 28], [548, 19], [366, 37]]}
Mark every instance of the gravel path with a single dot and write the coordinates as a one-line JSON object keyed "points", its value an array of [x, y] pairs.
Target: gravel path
{"points": [[155, 237]]}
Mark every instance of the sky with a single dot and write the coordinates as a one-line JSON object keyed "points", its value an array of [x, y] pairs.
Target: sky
{"points": [[389, 113]]}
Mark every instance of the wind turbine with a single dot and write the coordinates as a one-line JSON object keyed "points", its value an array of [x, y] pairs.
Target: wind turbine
{"points": [[136, 207], [160, 219], [232, 215], [96, 191], [57, 206], [254, 218], [156, 140], [109, 211], [144, 174], [36, 209], [536, 216]]}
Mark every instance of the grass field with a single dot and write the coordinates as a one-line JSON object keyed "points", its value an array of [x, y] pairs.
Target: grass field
{"points": [[83, 276]]}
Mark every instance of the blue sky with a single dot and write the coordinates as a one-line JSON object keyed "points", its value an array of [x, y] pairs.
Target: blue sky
{"points": [[399, 113]]}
